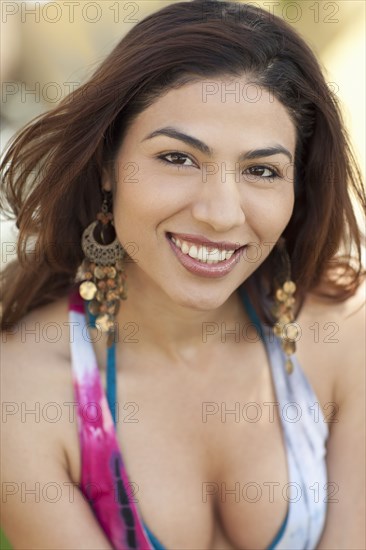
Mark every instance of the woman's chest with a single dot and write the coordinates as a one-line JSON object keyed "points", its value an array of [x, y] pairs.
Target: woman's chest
{"points": [[204, 447]]}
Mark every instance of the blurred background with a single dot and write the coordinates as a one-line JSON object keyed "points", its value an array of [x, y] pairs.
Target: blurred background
{"points": [[48, 48]]}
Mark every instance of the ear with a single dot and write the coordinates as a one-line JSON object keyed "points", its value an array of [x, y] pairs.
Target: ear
{"points": [[106, 180], [106, 186]]}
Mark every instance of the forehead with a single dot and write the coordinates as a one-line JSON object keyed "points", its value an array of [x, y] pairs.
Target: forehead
{"points": [[236, 106]]}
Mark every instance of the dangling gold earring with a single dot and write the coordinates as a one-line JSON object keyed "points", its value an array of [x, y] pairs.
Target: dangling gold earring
{"points": [[283, 305], [102, 269]]}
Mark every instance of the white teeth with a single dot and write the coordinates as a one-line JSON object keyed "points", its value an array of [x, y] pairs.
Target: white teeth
{"points": [[203, 253], [193, 252], [215, 255]]}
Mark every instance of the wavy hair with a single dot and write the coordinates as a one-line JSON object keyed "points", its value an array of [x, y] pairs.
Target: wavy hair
{"points": [[52, 170]]}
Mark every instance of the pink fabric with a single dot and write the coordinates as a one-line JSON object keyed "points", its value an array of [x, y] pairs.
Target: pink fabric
{"points": [[104, 480]]}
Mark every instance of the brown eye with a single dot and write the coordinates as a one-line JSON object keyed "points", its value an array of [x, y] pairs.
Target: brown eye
{"points": [[180, 157], [262, 172]]}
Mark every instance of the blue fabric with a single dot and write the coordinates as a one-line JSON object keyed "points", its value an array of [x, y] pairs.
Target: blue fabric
{"points": [[251, 311], [154, 541], [111, 380], [278, 537], [111, 368]]}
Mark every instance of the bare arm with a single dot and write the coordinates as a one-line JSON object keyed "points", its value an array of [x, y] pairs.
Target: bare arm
{"points": [[345, 523], [40, 507]]}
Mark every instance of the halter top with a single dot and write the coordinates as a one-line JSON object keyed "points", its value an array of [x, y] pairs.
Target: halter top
{"points": [[105, 481]]}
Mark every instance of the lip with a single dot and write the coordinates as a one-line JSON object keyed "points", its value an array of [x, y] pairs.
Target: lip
{"points": [[205, 270], [199, 239]]}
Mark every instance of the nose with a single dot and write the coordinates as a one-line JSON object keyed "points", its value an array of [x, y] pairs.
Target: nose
{"points": [[219, 203]]}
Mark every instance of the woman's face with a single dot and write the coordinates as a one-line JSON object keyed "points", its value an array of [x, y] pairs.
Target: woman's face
{"points": [[214, 170]]}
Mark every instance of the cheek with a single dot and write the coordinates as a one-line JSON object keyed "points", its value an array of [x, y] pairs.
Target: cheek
{"points": [[148, 194], [269, 213], [141, 202]]}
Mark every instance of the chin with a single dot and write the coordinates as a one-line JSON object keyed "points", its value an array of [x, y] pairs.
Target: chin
{"points": [[200, 301]]}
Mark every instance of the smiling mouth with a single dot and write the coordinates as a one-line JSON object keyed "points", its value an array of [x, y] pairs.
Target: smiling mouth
{"points": [[205, 254]]}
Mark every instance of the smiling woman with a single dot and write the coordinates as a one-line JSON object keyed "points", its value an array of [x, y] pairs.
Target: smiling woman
{"points": [[204, 177], [237, 186]]}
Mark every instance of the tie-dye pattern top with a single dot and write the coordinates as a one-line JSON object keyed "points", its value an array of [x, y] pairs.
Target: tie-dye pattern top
{"points": [[104, 479]]}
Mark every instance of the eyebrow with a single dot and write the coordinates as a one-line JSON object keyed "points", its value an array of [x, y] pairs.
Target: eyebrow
{"points": [[205, 149]]}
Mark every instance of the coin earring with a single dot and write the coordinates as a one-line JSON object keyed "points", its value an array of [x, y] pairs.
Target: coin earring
{"points": [[102, 270], [284, 301]]}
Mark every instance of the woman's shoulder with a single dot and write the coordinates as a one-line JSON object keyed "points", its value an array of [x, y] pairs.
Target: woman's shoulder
{"points": [[36, 350], [37, 391], [318, 301], [345, 314], [333, 337]]}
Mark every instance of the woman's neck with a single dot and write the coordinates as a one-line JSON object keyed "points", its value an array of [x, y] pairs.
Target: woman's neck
{"points": [[173, 330]]}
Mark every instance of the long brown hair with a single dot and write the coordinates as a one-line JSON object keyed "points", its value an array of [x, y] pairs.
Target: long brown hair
{"points": [[51, 172]]}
